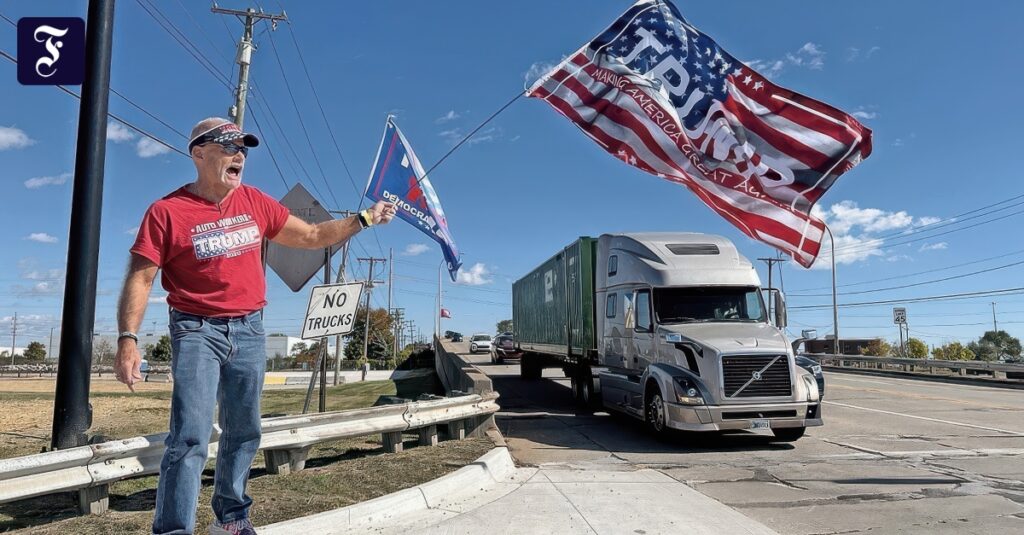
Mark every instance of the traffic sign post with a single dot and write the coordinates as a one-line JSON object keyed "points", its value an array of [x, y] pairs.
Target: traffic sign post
{"points": [[899, 318]]}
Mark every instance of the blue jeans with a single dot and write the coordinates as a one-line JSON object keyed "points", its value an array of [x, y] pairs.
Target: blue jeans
{"points": [[215, 362]]}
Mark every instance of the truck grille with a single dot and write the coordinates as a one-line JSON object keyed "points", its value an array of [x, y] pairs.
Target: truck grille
{"points": [[737, 371]]}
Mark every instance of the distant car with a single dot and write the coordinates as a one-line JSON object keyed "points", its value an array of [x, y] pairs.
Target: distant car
{"points": [[504, 348], [812, 366], [480, 342], [457, 337]]}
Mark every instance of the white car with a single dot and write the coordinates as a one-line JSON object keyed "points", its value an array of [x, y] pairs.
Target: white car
{"points": [[480, 342]]}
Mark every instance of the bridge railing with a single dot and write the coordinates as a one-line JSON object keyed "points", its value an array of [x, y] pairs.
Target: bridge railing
{"points": [[997, 370]]}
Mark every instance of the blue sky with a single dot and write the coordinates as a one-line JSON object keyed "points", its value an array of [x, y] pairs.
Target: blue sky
{"points": [[929, 78]]}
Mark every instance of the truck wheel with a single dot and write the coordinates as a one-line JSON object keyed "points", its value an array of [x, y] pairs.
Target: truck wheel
{"points": [[789, 434], [655, 413], [583, 387]]}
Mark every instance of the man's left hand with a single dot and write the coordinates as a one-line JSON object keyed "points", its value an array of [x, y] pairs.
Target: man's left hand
{"points": [[382, 212]]}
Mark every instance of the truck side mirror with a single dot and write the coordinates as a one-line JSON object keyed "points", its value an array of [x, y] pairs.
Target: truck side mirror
{"points": [[780, 309]]}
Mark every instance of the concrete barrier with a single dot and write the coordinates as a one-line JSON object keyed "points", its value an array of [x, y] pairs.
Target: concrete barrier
{"points": [[459, 376]]}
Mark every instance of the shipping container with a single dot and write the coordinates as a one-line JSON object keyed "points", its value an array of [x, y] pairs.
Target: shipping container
{"points": [[553, 305]]}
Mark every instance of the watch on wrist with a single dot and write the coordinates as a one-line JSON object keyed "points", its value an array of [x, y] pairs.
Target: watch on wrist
{"points": [[364, 218], [128, 334]]}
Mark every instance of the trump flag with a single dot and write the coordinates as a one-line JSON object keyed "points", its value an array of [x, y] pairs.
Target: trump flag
{"points": [[660, 95], [398, 177]]}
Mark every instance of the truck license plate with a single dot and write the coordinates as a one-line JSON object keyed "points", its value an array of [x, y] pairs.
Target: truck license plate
{"points": [[760, 424]]}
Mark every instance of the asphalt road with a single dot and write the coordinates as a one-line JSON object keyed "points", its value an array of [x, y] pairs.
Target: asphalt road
{"points": [[895, 455]]}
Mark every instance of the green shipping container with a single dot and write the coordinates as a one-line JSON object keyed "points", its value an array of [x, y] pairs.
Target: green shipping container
{"points": [[553, 305]]}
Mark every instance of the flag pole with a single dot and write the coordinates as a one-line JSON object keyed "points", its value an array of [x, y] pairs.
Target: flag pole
{"points": [[835, 307]]}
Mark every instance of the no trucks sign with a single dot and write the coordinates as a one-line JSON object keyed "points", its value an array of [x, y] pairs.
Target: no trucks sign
{"points": [[332, 310]]}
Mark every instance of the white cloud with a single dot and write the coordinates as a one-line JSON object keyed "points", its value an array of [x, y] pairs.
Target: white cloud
{"points": [[928, 220], [853, 53], [861, 114], [147, 148], [538, 69], [898, 142], [810, 56], [477, 275], [134, 231], [856, 231], [933, 247], [455, 135], [37, 275], [14, 138], [41, 237], [415, 249], [119, 133], [162, 299], [41, 181], [450, 116]]}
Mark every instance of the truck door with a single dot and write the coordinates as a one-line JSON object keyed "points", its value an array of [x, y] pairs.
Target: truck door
{"points": [[643, 350]]}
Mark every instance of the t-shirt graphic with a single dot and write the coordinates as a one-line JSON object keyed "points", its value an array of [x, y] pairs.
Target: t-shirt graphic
{"points": [[228, 237]]}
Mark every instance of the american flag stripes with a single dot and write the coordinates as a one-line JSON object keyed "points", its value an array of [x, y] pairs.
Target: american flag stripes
{"points": [[662, 96]]}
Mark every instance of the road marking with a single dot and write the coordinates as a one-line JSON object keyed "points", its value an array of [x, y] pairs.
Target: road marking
{"points": [[926, 397], [952, 453], [833, 376], [950, 422]]}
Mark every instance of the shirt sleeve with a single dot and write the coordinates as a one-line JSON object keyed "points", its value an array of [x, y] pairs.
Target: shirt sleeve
{"points": [[275, 214], [153, 239]]}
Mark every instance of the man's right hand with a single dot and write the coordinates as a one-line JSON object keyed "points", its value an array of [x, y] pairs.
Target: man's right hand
{"points": [[128, 363]]}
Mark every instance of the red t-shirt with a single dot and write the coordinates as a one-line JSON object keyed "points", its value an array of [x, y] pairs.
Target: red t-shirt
{"points": [[210, 254]]}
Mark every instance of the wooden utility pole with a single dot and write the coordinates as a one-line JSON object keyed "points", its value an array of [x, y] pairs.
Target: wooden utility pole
{"points": [[771, 267], [345, 214], [249, 18], [370, 283]]}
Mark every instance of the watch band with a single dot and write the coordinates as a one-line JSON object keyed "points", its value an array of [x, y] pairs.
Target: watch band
{"points": [[128, 334], [364, 219]]}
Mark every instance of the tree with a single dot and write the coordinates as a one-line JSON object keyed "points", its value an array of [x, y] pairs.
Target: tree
{"points": [[504, 326], [35, 351], [382, 338], [876, 348], [161, 352], [913, 349], [308, 354], [102, 351], [299, 348], [953, 351], [995, 344]]}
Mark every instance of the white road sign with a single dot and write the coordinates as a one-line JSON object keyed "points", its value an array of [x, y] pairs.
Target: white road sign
{"points": [[331, 310], [899, 316]]}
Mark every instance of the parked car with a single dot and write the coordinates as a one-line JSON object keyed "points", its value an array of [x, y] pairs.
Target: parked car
{"points": [[480, 342], [504, 348], [814, 367]]}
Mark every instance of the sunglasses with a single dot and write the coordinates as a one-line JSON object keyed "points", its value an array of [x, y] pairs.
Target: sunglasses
{"points": [[231, 148]]}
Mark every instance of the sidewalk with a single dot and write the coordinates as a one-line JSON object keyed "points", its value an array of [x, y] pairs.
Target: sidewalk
{"points": [[551, 499]]}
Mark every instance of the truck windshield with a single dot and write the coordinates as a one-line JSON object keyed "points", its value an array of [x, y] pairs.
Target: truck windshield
{"points": [[709, 303]]}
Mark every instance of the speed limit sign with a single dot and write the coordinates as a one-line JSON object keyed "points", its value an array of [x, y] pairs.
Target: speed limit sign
{"points": [[899, 316]]}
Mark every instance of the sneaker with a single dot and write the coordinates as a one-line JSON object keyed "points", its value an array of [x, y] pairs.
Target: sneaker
{"points": [[235, 527]]}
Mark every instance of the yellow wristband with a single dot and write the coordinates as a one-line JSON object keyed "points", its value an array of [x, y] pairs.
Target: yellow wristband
{"points": [[365, 219]]}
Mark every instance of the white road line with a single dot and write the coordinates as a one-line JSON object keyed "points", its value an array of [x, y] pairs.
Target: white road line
{"points": [[950, 422], [951, 453]]}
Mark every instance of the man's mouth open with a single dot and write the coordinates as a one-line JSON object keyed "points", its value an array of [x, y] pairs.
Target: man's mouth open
{"points": [[235, 172]]}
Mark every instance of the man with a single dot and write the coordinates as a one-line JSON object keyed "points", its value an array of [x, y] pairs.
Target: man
{"points": [[206, 239]]}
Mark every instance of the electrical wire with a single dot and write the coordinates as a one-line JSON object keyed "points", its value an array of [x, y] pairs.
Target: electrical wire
{"points": [[944, 279], [984, 293]]}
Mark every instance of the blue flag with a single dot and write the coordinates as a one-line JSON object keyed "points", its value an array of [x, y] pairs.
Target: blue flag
{"points": [[398, 177]]}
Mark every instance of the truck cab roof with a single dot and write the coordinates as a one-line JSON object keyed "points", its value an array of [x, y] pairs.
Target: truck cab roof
{"points": [[671, 259]]}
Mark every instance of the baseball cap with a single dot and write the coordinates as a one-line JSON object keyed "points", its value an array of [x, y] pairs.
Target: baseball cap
{"points": [[217, 130]]}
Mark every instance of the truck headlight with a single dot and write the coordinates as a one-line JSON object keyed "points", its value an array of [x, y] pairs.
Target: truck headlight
{"points": [[687, 392], [812, 388]]}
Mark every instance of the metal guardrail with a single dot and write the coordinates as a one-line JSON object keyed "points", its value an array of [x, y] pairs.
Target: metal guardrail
{"points": [[100, 464], [998, 370]]}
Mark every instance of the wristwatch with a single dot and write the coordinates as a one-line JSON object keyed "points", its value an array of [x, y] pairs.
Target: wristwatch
{"points": [[128, 334], [365, 220]]}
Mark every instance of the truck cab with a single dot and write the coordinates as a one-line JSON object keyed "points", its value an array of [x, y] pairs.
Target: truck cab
{"points": [[685, 340]]}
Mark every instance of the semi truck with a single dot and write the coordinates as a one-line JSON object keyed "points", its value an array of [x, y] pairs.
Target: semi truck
{"points": [[669, 328]]}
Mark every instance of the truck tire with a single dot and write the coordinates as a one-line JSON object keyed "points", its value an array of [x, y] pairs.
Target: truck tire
{"points": [[789, 434], [583, 386], [530, 367], [655, 413]]}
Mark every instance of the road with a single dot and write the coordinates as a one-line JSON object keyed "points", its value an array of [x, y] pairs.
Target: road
{"points": [[895, 455]]}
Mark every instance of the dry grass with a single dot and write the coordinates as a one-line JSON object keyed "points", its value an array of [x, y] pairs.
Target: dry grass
{"points": [[338, 473]]}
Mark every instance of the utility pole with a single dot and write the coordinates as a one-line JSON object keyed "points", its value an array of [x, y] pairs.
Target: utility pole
{"points": [[369, 289], [345, 214], [72, 413], [14, 336], [398, 329], [995, 326], [249, 18], [771, 267], [49, 348], [391, 283]]}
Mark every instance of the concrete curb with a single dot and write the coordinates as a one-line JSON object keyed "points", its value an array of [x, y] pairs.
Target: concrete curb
{"points": [[491, 468]]}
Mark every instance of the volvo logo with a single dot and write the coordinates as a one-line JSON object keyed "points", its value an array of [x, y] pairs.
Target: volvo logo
{"points": [[757, 376]]}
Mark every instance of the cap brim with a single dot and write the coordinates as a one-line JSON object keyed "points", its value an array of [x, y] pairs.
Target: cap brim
{"points": [[249, 140]]}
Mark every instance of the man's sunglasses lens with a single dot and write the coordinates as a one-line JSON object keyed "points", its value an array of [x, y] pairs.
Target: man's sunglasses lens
{"points": [[231, 148]]}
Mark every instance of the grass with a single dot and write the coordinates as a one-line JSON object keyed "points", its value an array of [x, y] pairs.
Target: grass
{"points": [[337, 473]]}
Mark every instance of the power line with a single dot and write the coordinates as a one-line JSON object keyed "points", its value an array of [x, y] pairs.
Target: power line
{"points": [[944, 279], [185, 43], [985, 293]]}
